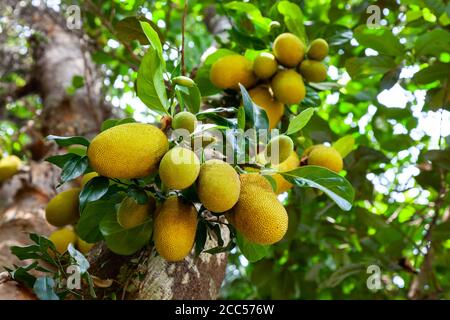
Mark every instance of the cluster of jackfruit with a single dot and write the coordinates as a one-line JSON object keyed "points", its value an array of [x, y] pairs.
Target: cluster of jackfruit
{"points": [[277, 78]]}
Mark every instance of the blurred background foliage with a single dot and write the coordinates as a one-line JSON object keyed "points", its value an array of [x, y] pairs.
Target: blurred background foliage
{"points": [[387, 86]]}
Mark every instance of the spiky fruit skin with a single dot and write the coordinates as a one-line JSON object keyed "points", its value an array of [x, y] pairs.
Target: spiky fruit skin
{"points": [[131, 214], [265, 65], [127, 151], [279, 149], [87, 177], [288, 49], [184, 120], [174, 229], [288, 87], [63, 208], [313, 71], [327, 157], [9, 166], [318, 49], [83, 246], [218, 186], [289, 164], [62, 238], [258, 214], [179, 168], [263, 98], [229, 71]]}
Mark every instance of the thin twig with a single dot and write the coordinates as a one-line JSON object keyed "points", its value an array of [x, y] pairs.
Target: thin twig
{"points": [[183, 67]]}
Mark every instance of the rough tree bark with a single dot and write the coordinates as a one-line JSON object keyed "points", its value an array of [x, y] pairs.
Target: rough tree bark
{"points": [[22, 200]]}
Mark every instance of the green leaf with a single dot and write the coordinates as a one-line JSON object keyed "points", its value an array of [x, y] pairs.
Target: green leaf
{"points": [[77, 82], [67, 141], [124, 241], [109, 123], [380, 39], [44, 288], [332, 184], [369, 66], [255, 116], [21, 275], [150, 82], [61, 160], [439, 158], [74, 168], [93, 190], [344, 145], [300, 121], [79, 258], [191, 97], [261, 23], [153, 39], [139, 195], [252, 251], [432, 43], [437, 71], [241, 118], [130, 28], [87, 227], [293, 18], [200, 236]]}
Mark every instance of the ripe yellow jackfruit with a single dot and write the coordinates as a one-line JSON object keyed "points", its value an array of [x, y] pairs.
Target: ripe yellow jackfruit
{"points": [[9, 166], [87, 177], [288, 49], [174, 229], [265, 65], [63, 208], [62, 238], [274, 109], [131, 214], [327, 157], [229, 71], [83, 246], [258, 214], [288, 87], [318, 49], [218, 186], [279, 149], [179, 168], [313, 71], [127, 151], [184, 120], [289, 164]]}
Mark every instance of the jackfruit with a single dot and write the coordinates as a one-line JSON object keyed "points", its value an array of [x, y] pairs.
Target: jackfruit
{"points": [[184, 120], [127, 151], [83, 246], [179, 168], [258, 214], [9, 166], [288, 49], [218, 186], [313, 71], [289, 164], [63, 208], [327, 157], [288, 87], [131, 214], [87, 177], [174, 229], [230, 70], [263, 98], [279, 149], [183, 81], [62, 238], [265, 65], [318, 49]]}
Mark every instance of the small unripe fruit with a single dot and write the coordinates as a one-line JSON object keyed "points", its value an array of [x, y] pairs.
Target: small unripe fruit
{"points": [[9, 166], [87, 177], [63, 208], [218, 186], [62, 238], [265, 65], [327, 157], [263, 98], [184, 120], [132, 214], [288, 87], [183, 81], [313, 71], [83, 246], [279, 149], [230, 70], [179, 168], [318, 49], [288, 49], [174, 229]]}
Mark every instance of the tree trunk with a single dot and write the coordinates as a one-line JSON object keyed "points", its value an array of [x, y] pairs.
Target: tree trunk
{"points": [[58, 59]]}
